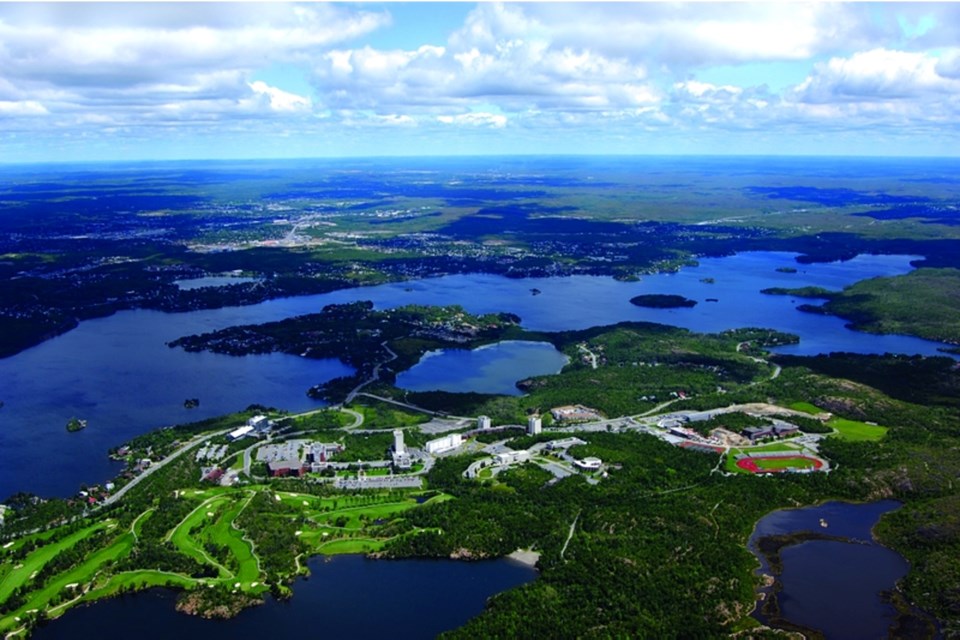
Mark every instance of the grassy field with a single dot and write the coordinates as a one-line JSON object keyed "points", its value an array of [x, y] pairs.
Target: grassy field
{"points": [[361, 523], [773, 464], [19, 574], [806, 407], [190, 545], [857, 431], [730, 464], [65, 584], [212, 522]]}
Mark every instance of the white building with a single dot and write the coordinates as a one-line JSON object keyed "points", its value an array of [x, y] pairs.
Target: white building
{"points": [[260, 424], [240, 432], [398, 446], [534, 425], [511, 457], [401, 457], [442, 445], [589, 464], [483, 422]]}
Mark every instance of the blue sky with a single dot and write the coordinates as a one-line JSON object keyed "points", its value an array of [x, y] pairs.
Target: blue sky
{"points": [[117, 81]]}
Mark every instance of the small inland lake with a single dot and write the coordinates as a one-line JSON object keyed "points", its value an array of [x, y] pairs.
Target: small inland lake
{"points": [[831, 575]]}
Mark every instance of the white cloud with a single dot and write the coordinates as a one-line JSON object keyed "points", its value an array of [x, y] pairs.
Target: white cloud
{"points": [[280, 100], [878, 74], [476, 119], [615, 70], [24, 108]]}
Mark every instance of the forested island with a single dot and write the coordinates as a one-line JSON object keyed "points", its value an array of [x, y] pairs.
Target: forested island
{"points": [[662, 301]]}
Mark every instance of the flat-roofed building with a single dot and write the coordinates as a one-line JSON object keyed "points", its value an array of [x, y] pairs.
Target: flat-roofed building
{"points": [[240, 432], [444, 444], [511, 457]]}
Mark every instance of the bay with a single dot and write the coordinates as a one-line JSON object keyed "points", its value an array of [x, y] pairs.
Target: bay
{"points": [[118, 374], [345, 597]]}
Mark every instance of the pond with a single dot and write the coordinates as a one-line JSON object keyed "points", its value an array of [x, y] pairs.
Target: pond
{"points": [[833, 572], [494, 368]]}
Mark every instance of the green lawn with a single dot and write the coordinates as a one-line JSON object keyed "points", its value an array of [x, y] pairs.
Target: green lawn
{"points": [[806, 407], [79, 575], [857, 431], [222, 532], [140, 579], [783, 463], [349, 545], [20, 573], [357, 517], [189, 544]]}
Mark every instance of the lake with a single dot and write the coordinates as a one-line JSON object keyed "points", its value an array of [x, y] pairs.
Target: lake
{"points": [[823, 581], [345, 597], [118, 373], [494, 368]]}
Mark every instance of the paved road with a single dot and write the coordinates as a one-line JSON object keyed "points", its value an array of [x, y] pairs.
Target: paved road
{"points": [[159, 465], [374, 376]]}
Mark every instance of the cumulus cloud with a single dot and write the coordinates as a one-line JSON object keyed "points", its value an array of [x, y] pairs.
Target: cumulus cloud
{"points": [[147, 62], [879, 74], [498, 55], [683, 35], [279, 100], [613, 69]]}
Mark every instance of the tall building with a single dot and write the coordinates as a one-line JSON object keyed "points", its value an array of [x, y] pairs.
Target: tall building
{"points": [[483, 422], [534, 425], [398, 447]]}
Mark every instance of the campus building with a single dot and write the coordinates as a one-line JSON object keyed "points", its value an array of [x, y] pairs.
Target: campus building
{"points": [[511, 457], [770, 431], [534, 425], [442, 445], [483, 422], [401, 457]]}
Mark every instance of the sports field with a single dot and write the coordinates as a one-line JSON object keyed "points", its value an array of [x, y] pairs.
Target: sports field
{"points": [[770, 464]]}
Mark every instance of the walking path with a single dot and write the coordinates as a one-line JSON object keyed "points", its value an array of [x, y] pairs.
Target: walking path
{"points": [[573, 525]]}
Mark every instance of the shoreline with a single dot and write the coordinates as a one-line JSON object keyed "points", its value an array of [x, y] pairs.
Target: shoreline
{"points": [[526, 557]]}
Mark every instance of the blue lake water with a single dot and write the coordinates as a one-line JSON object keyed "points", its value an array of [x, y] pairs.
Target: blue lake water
{"points": [[345, 597], [118, 373], [834, 586], [495, 368]]}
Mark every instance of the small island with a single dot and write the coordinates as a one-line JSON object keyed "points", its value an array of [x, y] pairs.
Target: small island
{"points": [[191, 403], [786, 269], [662, 301], [76, 424]]}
